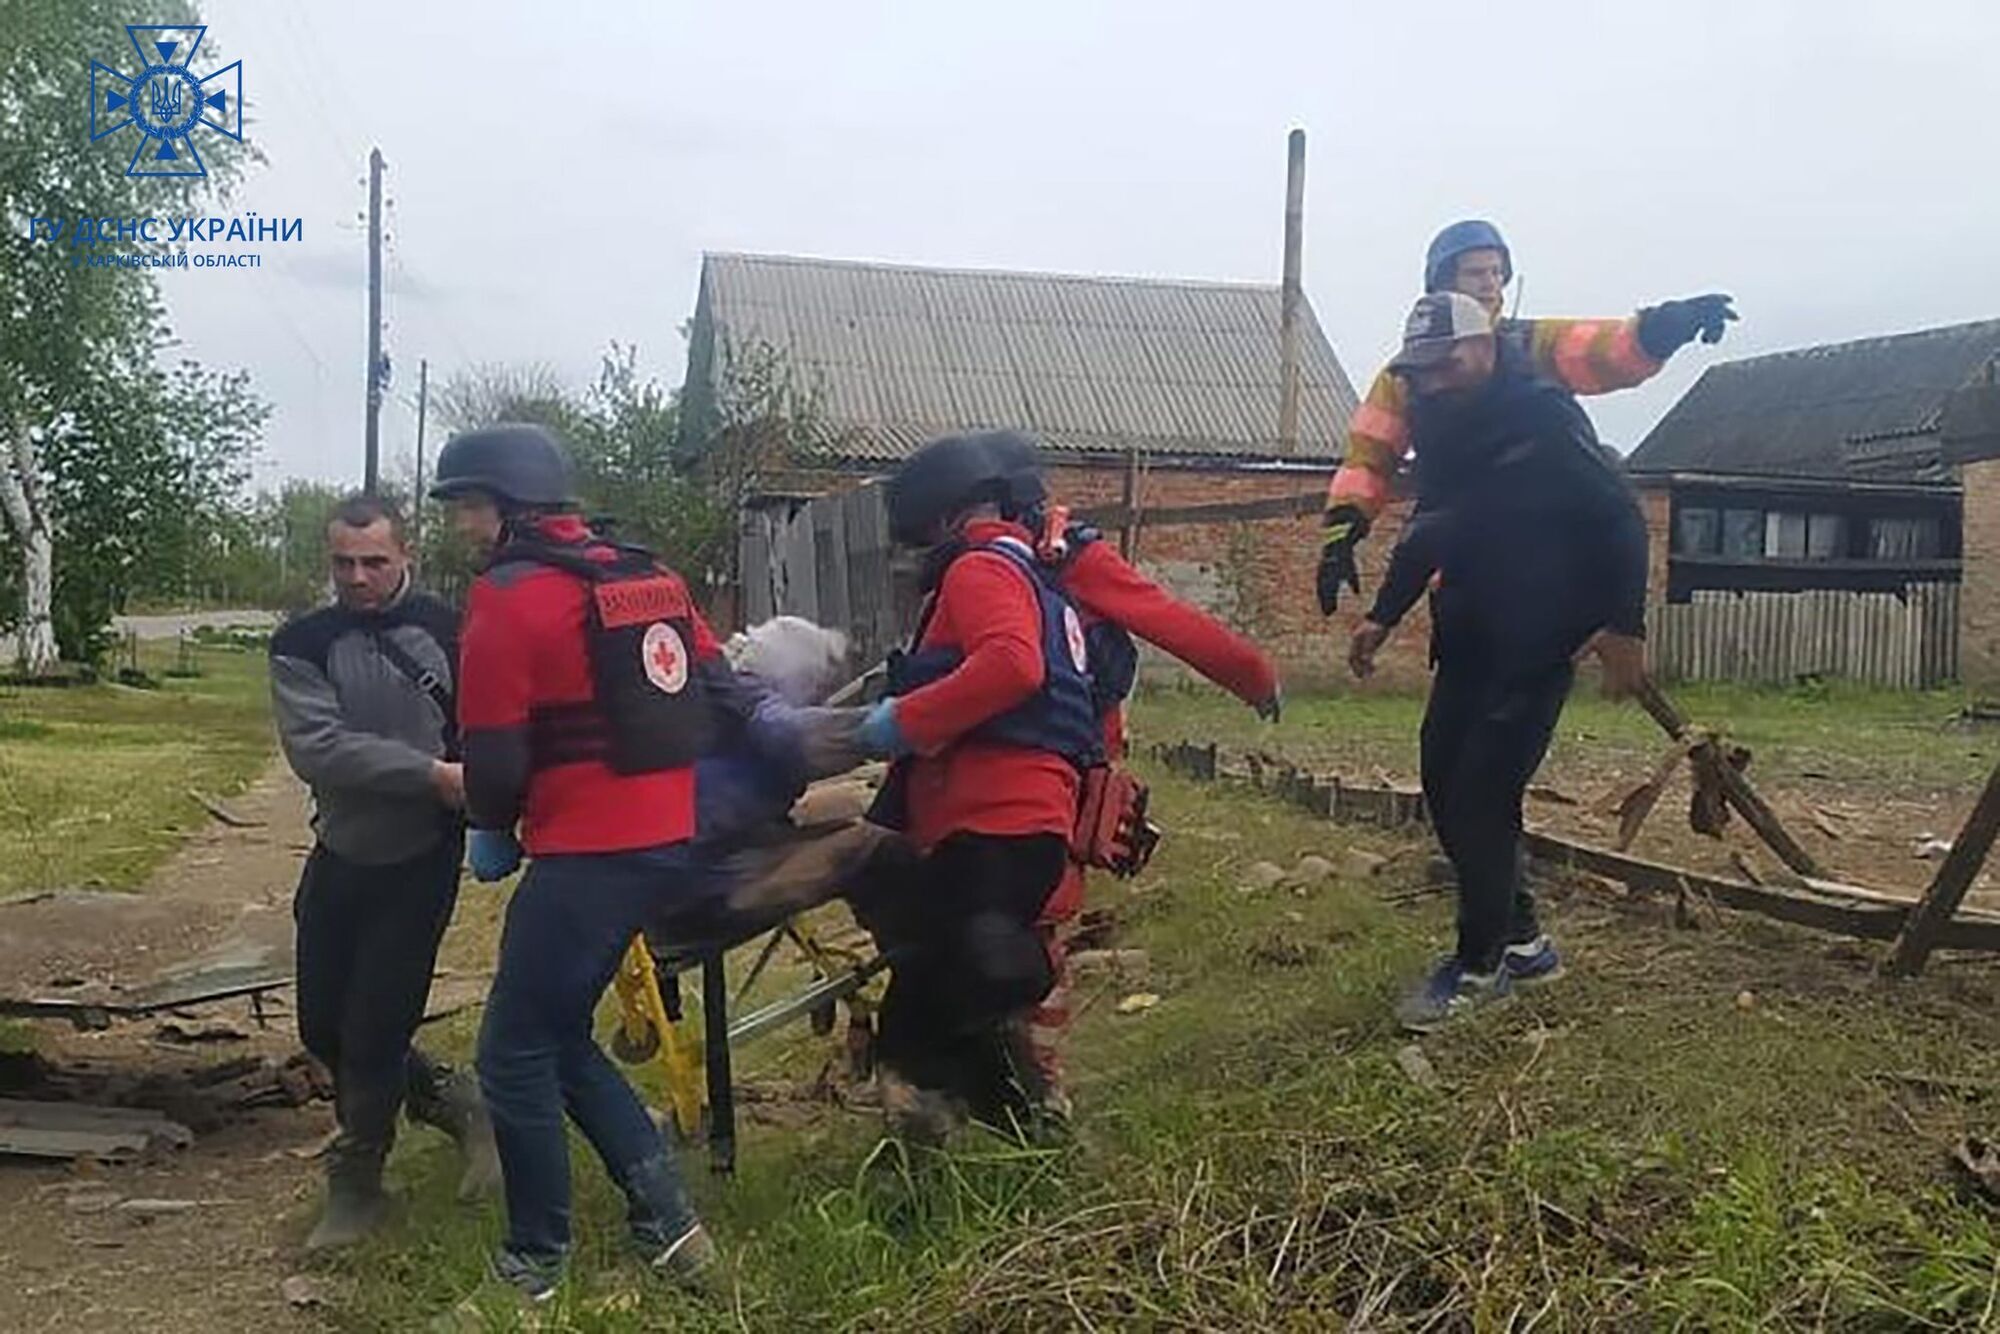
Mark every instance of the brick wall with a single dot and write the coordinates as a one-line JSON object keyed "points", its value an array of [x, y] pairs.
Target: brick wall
{"points": [[1258, 576], [1656, 503], [1979, 591]]}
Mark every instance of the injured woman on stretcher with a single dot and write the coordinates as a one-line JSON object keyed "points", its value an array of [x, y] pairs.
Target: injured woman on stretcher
{"points": [[768, 847]]}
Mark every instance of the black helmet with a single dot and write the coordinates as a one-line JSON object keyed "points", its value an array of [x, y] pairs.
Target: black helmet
{"points": [[516, 463], [1441, 259], [950, 474], [1020, 461]]}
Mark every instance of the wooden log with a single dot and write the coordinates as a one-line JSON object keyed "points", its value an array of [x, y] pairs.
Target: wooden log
{"points": [[1934, 911], [1712, 766]]}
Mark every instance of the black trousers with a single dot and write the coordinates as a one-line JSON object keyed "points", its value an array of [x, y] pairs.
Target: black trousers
{"points": [[367, 945], [968, 960], [1484, 736]]}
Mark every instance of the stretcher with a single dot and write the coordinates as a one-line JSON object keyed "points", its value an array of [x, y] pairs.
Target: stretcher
{"points": [[773, 888]]}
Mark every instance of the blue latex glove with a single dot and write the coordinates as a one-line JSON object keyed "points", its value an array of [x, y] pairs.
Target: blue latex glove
{"points": [[880, 735], [494, 854]]}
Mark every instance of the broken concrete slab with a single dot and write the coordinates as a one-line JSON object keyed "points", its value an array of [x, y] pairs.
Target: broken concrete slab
{"points": [[78, 1130]]}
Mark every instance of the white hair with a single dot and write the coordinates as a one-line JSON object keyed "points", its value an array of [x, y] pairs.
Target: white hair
{"points": [[802, 662]]}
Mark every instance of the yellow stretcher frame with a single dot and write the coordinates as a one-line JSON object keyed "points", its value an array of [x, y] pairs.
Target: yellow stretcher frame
{"points": [[695, 1067]]}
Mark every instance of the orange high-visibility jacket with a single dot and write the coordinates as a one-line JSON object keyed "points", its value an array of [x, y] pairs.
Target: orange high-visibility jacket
{"points": [[1585, 356]]}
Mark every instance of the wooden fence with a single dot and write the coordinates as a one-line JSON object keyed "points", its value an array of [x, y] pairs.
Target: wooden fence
{"points": [[829, 560], [1905, 641]]}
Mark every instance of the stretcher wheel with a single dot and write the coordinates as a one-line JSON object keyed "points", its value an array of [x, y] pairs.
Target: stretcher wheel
{"points": [[632, 1050]]}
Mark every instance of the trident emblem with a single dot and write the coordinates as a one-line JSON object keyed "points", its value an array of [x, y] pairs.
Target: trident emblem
{"points": [[166, 100]]}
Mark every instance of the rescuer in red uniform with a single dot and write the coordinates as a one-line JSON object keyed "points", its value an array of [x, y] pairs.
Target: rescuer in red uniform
{"points": [[582, 705], [1110, 594], [990, 724]]}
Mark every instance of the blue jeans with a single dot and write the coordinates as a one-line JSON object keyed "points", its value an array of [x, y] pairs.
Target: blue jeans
{"points": [[567, 927]]}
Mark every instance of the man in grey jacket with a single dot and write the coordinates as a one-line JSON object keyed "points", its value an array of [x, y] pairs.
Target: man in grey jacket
{"points": [[362, 691]]}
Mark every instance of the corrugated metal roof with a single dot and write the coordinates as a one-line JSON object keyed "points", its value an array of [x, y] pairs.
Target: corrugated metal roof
{"points": [[1867, 408], [1092, 365]]}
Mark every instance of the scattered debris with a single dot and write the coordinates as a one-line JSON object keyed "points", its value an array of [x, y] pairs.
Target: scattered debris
{"points": [[1260, 876], [150, 1209], [1312, 869], [223, 813], [1823, 820], [1743, 866], [1930, 848], [76, 1130], [1279, 951], [192, 1033], [302, 1291], [1554, 796], [93, 1197], [1094, 929], [1412, 1061], [1138, 1002], [1360, 864], [1121, 965], [1979, 1159]]}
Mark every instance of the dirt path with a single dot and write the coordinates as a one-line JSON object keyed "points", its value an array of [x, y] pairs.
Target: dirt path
{"points": [[74, 1258]]}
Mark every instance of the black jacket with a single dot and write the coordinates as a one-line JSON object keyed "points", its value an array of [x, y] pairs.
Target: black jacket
{"points": [[1529, 522], [362, 733]]}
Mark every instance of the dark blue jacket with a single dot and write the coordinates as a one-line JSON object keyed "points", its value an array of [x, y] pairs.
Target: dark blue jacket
{"points": [[1537, 537]]}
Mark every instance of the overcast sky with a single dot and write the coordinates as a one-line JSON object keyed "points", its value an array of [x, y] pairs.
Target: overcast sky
{"points": [[557, 170]]}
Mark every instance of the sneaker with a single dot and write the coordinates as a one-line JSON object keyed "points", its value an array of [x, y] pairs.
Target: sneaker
{"points": [[1450, 991], [1532, 961], [535, 1280], [687, 1260]]}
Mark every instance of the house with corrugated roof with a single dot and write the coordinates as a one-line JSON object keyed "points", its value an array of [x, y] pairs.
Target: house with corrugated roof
{"points": [[1159, 399], [1820, 468]]}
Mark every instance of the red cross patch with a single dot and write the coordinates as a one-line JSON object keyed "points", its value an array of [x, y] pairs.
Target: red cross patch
{"points": [[665, 658]]}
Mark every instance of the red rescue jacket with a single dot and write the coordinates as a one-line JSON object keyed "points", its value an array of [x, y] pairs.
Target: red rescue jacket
{"points": [[523, 652], [986, 609]]}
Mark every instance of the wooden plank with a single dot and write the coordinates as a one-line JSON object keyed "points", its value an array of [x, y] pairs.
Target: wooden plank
{"points": [[1954, 877], [1862, 920], [830, 567], [1708, 758]]}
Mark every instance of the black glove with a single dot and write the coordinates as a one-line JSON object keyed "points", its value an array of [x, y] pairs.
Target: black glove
{"points": [[1670, 326], [1345, 525]]}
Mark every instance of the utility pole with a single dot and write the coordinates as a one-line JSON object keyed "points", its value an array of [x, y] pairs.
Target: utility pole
{"points": [[417, 501], [1292, 295], [372, 471]]}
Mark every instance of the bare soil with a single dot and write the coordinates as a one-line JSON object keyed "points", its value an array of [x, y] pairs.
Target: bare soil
{"points": [[81, 1249]]}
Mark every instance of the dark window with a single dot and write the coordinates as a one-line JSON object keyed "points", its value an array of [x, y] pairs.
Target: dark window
{"points": [[1905, 539], [1698, 532], [1785, 535], [1826, 537], [1743, 534]]}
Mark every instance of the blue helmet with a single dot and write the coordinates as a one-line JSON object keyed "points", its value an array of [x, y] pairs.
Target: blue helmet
{"points": [[1471, 234]]}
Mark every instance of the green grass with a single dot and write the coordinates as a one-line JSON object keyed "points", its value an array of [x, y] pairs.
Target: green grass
{"points": [[1634, 1147], [94, 780], [1877, 739]]}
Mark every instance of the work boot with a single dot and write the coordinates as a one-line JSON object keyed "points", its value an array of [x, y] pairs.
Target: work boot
{"points": [[355, 1202], [914, 1115], [449, 1100]]}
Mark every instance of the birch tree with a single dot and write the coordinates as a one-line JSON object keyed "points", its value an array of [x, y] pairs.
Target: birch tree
{"points": [[68, 332]]}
